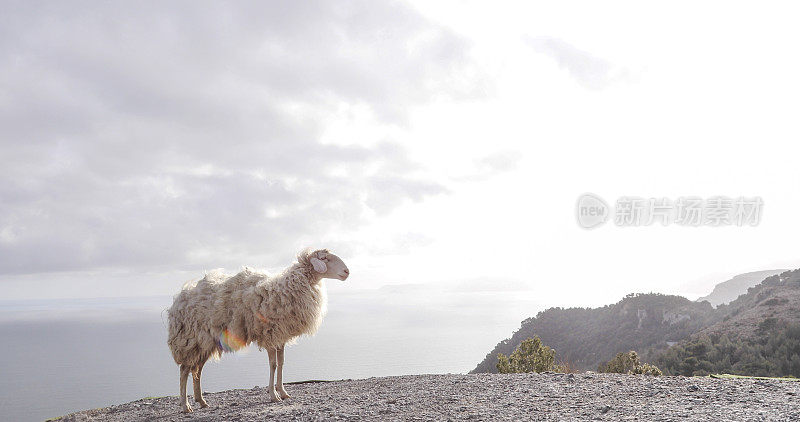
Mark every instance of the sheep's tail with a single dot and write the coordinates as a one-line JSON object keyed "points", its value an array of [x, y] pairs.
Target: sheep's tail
{"points": [[174, 327], [178, 339]]}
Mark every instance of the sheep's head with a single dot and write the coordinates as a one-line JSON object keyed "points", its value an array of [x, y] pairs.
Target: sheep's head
{"points": [[328, 265]]}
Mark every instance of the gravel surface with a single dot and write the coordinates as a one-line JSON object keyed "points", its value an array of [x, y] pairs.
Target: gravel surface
{"points": [[579, 397]]}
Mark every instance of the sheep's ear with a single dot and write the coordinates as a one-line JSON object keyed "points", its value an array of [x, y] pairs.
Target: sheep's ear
{"points": [[319, 266]]}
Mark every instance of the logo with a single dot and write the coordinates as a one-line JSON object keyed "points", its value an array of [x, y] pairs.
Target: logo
{"points": [[591, 211]]}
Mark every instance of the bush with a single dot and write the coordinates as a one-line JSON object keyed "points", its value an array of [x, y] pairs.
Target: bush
{"points": [[530, 356], [767, 325], [648, 369], [775, 354], [628, 363]]}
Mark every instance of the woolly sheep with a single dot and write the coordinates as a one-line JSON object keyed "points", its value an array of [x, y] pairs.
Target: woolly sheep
{"points": [[222, 313]]}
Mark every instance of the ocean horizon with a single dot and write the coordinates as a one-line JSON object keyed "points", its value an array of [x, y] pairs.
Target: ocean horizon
{"points": [[75, 354]]}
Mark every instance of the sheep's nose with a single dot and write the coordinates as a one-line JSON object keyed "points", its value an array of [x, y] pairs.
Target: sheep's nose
{"points": [[346, 271]]}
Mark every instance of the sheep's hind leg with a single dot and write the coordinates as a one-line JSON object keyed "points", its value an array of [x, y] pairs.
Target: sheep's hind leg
{"points": [[185, 377], [281, 390], [273, 364], [198, 390]]}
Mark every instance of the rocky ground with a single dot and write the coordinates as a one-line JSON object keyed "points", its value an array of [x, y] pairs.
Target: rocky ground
{"points": [[579, 397]]}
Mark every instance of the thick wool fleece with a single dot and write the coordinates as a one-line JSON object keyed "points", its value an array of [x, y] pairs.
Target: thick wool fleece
{"points": [[221, 312]]}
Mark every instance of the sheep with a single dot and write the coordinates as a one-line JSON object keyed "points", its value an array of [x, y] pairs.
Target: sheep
{"points": [[222, 313]]}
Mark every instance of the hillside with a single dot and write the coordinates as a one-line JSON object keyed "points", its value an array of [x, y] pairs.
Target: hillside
{"points": [[586, 337], [757, 334], [513, 397], [776, 299], [728, 291]]}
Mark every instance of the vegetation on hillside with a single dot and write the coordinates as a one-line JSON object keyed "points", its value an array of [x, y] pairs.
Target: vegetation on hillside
{"points": [[775, 353], [587, 337], [757, 334]]}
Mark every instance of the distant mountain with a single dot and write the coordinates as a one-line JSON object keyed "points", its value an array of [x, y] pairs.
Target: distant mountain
{"points": [[587, 337], [727, 291], [758, 333]]}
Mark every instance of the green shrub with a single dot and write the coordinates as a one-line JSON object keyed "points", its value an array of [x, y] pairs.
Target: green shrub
{"points": [[530, 356], [628, 363]]}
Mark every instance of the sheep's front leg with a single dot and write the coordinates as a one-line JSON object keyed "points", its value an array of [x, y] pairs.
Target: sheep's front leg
{"points": [[198, 390], [281, 391], [185, 370], [273, 365]]}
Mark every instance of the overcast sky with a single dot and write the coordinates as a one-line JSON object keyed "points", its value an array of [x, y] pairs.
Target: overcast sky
{"points": [[425, 143]]}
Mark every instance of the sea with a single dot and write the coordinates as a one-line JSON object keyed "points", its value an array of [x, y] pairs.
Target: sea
{"points": [[61, 356]]}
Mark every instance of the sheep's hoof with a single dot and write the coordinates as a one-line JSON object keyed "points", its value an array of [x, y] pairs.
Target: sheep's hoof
{"points": [[187, 409], [275, 399], [285, 396], [203, 403]]}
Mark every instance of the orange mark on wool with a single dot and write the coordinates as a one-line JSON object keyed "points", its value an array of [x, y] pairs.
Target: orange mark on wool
{"points": [[229, 342], [263, 319]]}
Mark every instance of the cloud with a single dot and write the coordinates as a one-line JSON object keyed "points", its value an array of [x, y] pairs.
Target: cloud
{"points": [[177, 134], [491, 165], [591, 72], [401, 243]]}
